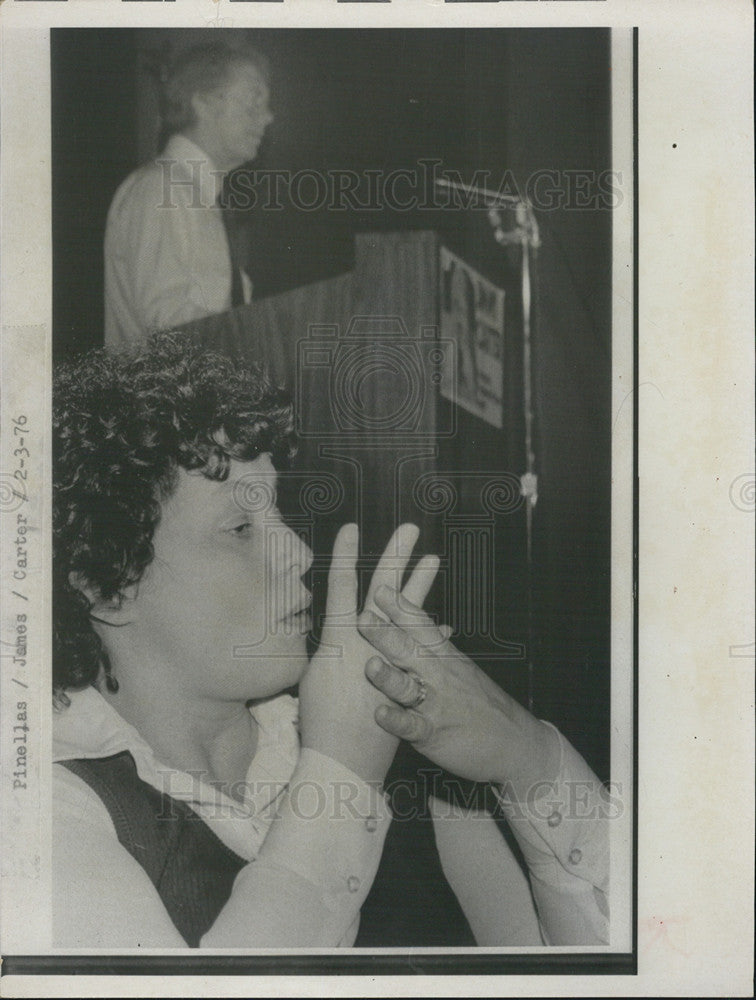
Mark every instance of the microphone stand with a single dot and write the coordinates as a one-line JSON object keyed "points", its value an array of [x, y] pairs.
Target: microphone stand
{"points": [[524, 233]]}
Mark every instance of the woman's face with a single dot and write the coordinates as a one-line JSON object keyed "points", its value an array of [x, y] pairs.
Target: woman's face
{"points": [[223, 605]]}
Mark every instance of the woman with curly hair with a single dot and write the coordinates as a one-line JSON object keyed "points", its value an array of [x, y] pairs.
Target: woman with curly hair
{"points": [[197, 802]]}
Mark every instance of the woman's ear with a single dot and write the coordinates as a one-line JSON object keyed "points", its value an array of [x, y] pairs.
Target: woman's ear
{"points": [[113, 612]]}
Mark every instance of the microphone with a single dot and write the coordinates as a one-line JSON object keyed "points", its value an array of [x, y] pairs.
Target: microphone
{"points": [[526, 231], [492, 198]]}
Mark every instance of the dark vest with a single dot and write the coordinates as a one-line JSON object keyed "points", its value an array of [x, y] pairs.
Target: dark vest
{"points": [[409, 905], [191, 868]]}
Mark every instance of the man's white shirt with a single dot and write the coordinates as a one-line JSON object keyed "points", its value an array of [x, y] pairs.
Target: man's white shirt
{"points": [[167, 259]]}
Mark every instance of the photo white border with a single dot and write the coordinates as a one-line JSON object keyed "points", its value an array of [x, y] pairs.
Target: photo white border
{"points": [[695, 396]]}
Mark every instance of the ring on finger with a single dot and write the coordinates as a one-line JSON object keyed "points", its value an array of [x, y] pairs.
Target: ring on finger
{"points": [[422, 692]]}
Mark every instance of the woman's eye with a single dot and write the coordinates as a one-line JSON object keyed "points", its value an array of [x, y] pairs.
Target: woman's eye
{"points": [[241, 529]]}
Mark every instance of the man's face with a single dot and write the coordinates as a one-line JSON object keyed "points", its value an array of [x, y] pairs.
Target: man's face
{"points": [[241, 114], [222, 605]]}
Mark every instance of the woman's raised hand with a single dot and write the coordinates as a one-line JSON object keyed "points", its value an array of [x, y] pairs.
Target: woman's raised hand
{"points": [[446, 706], [337, 706]]}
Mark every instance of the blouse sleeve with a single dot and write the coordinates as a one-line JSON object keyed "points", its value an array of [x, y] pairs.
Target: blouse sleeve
{"points": [[316, 865], [563, 832]]}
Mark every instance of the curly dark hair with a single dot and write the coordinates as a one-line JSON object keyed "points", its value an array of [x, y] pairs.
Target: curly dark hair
{"points": [[122, 427]]}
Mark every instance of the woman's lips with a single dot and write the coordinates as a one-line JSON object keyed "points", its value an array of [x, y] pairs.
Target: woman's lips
{"points": [[300, 617], [300, 621]]}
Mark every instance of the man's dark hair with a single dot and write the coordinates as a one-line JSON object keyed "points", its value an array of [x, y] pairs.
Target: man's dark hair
{"points": [[122, 427], [200, 70]]}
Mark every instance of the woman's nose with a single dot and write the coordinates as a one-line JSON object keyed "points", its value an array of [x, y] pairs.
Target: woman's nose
{"points": [[304, 554], [293, 551]]}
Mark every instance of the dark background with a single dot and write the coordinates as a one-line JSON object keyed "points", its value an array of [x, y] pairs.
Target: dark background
{"points": [[518, 100]]}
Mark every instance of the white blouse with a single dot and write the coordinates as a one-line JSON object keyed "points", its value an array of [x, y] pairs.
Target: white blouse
{"points": [[305, 883]]}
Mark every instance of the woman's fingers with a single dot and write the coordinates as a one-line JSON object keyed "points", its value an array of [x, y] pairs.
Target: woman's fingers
{"points": [[400, 609], [398, 685], [384, 603], [393, 562], [342, 576], [421, 580], [403, 613], [394, 644], [404, 723]]}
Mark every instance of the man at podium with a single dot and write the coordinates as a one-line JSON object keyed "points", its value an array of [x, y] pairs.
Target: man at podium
{"points": [[170, 255]]}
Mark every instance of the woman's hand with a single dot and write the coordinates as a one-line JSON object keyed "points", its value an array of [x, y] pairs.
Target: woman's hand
{"points": [[337, 706], [446, 706]]}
